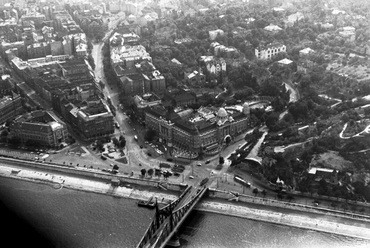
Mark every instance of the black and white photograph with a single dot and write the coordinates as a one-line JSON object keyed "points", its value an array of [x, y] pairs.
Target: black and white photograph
{"points": [[185, 123]]}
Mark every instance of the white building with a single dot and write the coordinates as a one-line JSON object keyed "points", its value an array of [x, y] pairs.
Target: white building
{"points": [[268, 51], [272, 28], [348, 33], [214, 33], [306, 51]]}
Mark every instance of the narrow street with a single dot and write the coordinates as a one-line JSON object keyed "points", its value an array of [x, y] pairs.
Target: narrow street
{"points": [[135, 154]]}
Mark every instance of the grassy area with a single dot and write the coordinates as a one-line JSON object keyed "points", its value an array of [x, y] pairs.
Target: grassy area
{"points": [[331, 159], [122, 160], [77, 149]]}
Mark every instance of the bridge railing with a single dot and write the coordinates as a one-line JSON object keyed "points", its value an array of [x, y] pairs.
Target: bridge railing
{"points": [[155, 222], [174, 203], [178, 217]]}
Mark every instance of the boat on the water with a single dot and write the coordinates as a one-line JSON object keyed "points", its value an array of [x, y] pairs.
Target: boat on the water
{"points": [[147, 204]]}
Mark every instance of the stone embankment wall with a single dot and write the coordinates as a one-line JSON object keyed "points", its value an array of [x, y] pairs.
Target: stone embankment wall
{"points": [[214, 193], [97, 175]]}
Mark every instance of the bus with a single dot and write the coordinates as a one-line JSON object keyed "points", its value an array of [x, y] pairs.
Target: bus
{"points": [[240, 180]]}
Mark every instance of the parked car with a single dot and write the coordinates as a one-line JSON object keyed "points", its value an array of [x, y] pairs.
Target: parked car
{"points": [[208, 161]]}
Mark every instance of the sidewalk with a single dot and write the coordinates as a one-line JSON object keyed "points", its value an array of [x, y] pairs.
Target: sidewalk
{"points": [[59, 181]]}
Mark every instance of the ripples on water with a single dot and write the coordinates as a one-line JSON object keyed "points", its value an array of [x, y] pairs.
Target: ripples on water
{"points": [[77, 219]]}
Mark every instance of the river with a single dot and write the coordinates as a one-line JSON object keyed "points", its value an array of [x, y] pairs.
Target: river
{"points": [[74, 219]]}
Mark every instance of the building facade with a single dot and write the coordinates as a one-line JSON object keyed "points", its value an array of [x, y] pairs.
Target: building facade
{"points": [[198, 131], [10, 107], [93, 120], [39, 126], [268, 51]]}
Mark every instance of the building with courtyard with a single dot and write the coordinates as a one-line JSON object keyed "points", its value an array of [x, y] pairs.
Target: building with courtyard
{"points": [[201, 131]]}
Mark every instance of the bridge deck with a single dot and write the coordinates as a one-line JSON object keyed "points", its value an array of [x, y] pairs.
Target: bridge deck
{"points": [[169, 219]]}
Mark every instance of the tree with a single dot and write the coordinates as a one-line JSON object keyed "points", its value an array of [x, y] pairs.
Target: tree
{"points": [[166, 175], [150, 172], [323, 187], [115, 167], [115, 141], [264, 192], [99, 145], [345, 118], [157, 173], [255, 191], [221, 160], [143, 172], [122, 141], [272, 120]]}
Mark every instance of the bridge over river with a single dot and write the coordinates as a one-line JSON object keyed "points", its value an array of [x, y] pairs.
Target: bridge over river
{"points": [[168, 219]]}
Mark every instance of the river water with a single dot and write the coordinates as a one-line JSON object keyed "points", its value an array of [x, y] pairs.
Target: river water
{"points": [[74, 219]]}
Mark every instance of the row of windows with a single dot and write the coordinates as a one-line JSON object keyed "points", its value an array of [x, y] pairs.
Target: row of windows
{"points": [[36, 137], [272, 51]]}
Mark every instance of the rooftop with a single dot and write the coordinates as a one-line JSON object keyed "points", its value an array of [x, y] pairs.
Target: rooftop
{"points": [[313, 170], [307, 50], [358, 72], [272, 27], [285, 61]]}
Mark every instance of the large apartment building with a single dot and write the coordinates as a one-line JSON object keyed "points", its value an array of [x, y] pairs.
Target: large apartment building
{"points": [[39, 126], [270, 50], [198, 131], [92, 117]]}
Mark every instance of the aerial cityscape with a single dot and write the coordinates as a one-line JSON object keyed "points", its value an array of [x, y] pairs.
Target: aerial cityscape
{"points": [[185, 123]]}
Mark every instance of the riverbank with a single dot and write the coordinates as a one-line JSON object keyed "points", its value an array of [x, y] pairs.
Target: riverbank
{"points": [[303, 220], [300, 219], [87, 185]]}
